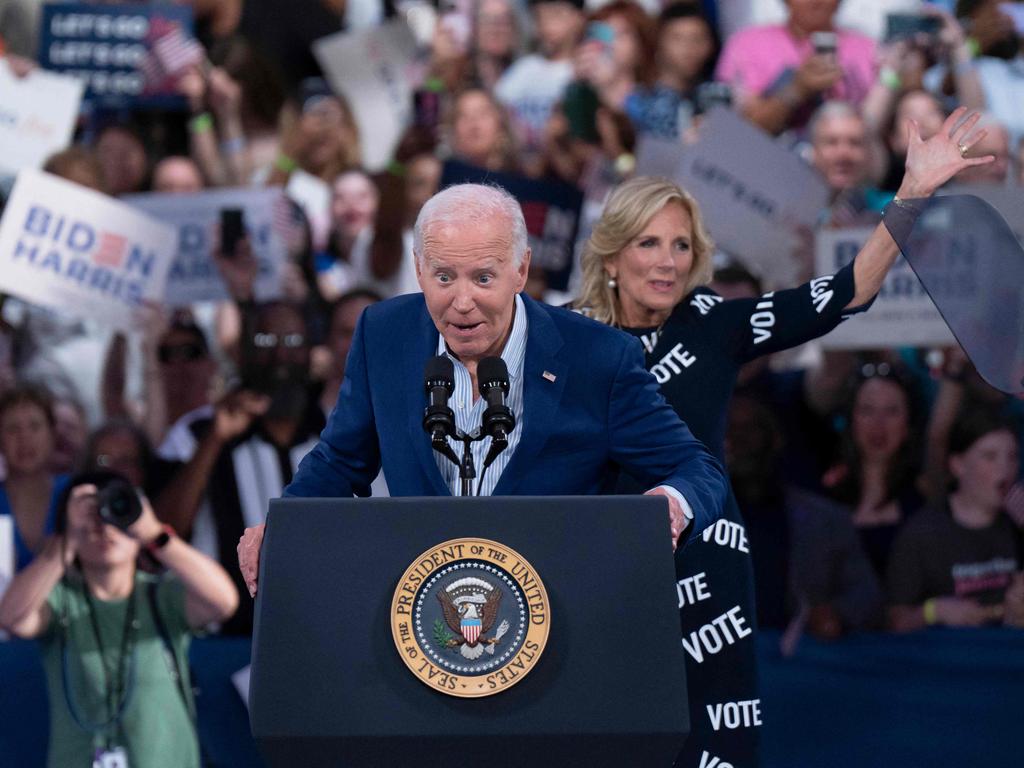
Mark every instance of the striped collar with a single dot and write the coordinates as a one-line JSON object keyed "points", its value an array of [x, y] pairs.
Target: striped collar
{"points": [[514, 353]]}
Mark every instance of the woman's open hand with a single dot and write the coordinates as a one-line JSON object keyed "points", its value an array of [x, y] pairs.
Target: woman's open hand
{"points": [[932, 163]]}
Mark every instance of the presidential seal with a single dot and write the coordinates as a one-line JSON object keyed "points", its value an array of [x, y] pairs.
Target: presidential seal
{"points": [[470, 617]]}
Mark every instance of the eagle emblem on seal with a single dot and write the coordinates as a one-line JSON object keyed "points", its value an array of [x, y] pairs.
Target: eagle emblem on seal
{"points": [[470, 608]]}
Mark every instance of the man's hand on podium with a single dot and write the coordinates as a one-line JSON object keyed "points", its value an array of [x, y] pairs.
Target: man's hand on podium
{"points": [[249, 556], [676, 519]]}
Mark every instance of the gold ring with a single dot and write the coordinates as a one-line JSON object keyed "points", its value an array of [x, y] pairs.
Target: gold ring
{"points": [[963, 149]]}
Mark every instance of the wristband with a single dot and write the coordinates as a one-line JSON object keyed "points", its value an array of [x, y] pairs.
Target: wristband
{"points": [[433, 85], [930, 615], [973, 47], [161, 539], [233, 146], [201, 123], [888, 77], [285, 164]]}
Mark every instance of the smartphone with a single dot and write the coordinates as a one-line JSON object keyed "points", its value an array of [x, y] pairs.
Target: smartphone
{"points": [[711, 95], [232, 229], [580, 104], [825, 43], [899, 26]]}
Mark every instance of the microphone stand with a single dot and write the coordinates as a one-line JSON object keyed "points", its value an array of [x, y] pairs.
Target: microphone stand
{"points": [[467, 470]]}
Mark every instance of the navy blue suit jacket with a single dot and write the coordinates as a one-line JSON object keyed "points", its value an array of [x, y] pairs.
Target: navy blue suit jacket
{"points": [[602, 411]]}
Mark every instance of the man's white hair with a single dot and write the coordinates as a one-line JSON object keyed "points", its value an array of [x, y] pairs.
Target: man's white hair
{"points": [[472, 204]]}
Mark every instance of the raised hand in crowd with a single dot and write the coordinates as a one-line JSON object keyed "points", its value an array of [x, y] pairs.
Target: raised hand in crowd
{"points": [[239, 270], [234, 414], [153, 319], [815, 75], [224, 94], [954, 48]]}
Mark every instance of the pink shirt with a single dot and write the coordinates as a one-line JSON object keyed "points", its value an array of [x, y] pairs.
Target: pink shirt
{"points": [[754, 58]]}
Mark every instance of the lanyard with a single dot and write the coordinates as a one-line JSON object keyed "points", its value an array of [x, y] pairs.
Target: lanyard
{"points": [[117, 683]]}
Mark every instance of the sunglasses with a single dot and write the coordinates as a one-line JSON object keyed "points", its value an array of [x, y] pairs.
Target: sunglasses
{"points": [[180, 353], [272, 340]]}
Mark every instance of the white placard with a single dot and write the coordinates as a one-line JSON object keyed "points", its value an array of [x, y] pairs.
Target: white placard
{"points": [[902, 315], [314, 197], [196, 217], [78, 251], [370, 68], [37, 116], [753, 194]]}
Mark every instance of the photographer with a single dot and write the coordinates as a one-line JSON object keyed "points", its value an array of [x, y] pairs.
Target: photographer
{"points": [[114, 640]]}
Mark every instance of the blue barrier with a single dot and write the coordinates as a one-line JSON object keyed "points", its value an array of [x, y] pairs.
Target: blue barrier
{"points": [[938, 698]]}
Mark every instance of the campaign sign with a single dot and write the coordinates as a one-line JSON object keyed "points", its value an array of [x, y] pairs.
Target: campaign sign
{"points": [[551, 210], [371, 69], [194, 275], [902, 315], [75, 250], [37, 116], [116, 49], [753, 194]]}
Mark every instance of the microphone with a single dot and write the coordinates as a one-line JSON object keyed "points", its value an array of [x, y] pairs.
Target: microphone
{"points": [[498, 419], [438, 419]]}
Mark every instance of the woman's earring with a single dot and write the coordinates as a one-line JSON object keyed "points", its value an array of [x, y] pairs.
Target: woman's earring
{"points": [[612, 283]]}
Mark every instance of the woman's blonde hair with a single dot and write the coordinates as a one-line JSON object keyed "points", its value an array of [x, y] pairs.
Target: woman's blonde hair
{"points": [[629, 209]]}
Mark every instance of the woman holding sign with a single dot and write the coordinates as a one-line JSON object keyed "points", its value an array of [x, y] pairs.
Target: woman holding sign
{"points": [[644, 270]]}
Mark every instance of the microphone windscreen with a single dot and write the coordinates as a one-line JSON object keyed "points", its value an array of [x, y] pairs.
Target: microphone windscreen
{"points": [[492, 371], [440, 369]]}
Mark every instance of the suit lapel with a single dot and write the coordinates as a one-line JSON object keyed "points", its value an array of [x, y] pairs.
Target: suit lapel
{"points": [[420, 345], [541, 396]]}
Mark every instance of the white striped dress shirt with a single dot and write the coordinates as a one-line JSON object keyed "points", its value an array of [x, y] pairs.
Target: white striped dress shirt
{"points": [[468, 414]]}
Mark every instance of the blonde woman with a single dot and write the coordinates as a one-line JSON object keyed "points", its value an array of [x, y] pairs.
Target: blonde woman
{"points": [[644, 270]]}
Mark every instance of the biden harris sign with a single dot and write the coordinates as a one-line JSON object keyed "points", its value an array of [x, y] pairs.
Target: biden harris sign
{"points": [[78, 251]]}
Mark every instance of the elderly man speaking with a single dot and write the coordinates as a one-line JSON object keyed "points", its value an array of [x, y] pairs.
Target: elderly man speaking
{"points": [[584, 405]]}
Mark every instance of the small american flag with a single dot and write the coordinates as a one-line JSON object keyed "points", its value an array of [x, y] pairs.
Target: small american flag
{"points": [[110, 250], [548, 376], [171, 53]]}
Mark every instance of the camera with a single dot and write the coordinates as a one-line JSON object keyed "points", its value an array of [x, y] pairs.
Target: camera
{"points": [[118, 503]]}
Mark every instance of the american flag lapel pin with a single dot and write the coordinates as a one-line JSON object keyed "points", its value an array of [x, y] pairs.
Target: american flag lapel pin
{"points": [[548, 376]]}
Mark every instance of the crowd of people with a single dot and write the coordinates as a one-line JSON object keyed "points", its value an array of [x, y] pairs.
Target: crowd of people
{"points": [[877, 489]]}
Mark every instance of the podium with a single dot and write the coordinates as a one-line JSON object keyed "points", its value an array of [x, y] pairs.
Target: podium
{"points": [[339, 662]]}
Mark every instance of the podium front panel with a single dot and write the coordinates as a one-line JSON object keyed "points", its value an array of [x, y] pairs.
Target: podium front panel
{"points": [[329, 687]]}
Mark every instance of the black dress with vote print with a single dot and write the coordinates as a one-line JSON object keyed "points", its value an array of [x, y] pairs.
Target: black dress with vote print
{"points": [[696, 358]]}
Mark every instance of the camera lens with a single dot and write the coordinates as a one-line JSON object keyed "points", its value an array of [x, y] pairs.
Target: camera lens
{"points": [[119, 504]]}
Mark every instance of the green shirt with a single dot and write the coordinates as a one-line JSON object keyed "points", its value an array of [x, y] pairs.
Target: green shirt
{"points": [[155, 728]]}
